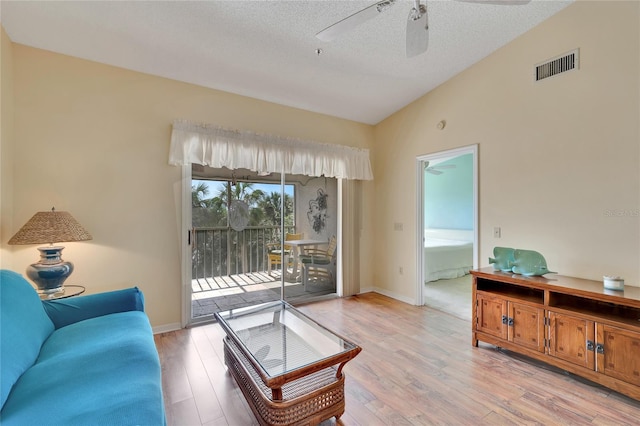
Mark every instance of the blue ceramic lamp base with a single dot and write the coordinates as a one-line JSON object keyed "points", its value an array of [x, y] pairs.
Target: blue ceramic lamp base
{"points": [[51, 271]]}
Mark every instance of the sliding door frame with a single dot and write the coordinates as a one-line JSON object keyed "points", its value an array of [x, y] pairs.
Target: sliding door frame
{"points": [[185, 244], [346, 210]]}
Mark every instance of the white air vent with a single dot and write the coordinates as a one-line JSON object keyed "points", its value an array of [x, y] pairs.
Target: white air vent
{"points": [[557, 65]]}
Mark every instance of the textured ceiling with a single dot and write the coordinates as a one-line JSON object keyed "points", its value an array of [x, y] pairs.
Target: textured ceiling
{"points": [[267, 49]]}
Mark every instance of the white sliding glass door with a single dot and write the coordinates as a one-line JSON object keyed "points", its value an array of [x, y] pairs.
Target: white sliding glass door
{"points": [[236, 221]]}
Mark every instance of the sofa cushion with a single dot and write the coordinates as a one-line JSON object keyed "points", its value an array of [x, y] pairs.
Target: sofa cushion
{"points": [[24, 326], [103, 370]]}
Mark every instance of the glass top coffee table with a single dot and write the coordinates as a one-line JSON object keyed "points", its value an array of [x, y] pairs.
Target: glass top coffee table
{"points": [[285, 356]]}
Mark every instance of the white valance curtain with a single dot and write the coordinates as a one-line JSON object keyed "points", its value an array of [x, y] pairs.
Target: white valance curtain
{"points": [[217, 147]]}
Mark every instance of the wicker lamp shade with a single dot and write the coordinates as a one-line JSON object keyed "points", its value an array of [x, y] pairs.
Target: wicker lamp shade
{"points": [[50, 227]]}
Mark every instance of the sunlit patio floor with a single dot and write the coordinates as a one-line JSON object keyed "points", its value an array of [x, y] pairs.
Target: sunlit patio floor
{"points": [[211, 295]]}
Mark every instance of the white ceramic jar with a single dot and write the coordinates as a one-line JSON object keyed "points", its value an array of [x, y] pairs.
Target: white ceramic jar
{"points": [[613, 283]]}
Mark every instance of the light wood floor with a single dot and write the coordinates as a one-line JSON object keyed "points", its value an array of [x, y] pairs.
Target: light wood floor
{"points": [[417, 367], [452, 296]]}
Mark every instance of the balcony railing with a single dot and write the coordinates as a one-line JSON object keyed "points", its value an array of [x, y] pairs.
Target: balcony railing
{"points": [[221, 251]]}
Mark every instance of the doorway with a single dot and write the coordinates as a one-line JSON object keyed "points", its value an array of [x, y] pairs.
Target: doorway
{"points": [[236, 222], [447, 216]]}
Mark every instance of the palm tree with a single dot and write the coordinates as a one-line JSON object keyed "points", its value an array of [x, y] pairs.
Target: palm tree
{"points": [[271, 205], [206, 212], [199, 204], [242, 191], [198, 194]]}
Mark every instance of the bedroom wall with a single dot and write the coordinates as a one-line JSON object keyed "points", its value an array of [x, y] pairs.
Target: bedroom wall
{"points": [[559, 160], [94, 140], [449, 195]]}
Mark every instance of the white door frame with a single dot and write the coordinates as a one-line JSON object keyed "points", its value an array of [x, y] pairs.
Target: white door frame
{"points": [[420, 160], [185, 244]]}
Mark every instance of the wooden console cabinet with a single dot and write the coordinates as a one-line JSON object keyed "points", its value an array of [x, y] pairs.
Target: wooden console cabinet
{"points": [[571, 323]]}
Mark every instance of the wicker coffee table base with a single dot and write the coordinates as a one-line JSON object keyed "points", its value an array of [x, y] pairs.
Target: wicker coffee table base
{"points": [[306, 401]]}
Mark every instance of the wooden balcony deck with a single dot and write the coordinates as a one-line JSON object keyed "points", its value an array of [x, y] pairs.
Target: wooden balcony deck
{"points": [[214, 294]]}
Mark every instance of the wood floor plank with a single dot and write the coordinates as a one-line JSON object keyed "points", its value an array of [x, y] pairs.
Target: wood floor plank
{"points": [[204, 393], [184, 413], [203, 345], [417, 367], [232, 402]]}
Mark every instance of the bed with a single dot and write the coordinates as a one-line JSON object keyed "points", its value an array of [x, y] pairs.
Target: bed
{"points": [[448, 253]]}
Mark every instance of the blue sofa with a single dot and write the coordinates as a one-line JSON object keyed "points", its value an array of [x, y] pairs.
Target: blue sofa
{"points": [[88, 360]]}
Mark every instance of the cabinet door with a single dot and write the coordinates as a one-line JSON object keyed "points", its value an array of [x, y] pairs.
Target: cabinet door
{"points": [[492, 315], [526, 326], [618, 353], [569, 337]]}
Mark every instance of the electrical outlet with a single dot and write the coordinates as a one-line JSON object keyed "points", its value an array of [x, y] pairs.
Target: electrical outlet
{"points": [[397, 226], [497, 232], [401, 270]]}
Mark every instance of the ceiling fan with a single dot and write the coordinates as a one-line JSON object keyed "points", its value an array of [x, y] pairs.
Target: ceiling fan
{"points": [[417, 22], [435, 170]]}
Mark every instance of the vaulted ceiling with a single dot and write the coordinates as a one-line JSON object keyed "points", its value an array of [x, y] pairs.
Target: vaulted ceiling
{"points": [[268, 49]]}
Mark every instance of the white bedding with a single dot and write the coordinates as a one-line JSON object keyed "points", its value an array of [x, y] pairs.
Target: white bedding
{"points": [[446, 259]]}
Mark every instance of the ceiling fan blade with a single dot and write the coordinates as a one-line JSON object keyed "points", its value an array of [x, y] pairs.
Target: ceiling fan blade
{"points": [[445, 166], [417, 31], [433, 172], [500, 2], [350, 22]]}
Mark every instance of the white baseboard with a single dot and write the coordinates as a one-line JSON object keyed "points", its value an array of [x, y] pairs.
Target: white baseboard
{"points": [[388, 293], [176, 325], [166, 328]]}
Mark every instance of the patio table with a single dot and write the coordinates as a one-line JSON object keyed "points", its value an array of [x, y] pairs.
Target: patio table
{"points": [[298, 246]]}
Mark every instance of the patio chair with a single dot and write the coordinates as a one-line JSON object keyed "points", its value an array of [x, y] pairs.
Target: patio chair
{"points": [[318, 264], [275, 252]]}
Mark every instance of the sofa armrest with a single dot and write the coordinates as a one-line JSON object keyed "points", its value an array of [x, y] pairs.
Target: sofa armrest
{"points": [[68, 311]]}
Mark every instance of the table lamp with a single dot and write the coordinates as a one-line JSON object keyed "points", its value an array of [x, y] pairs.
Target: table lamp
{"points": [[50, 227]]}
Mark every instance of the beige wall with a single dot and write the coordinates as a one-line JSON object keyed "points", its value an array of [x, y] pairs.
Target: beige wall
{"points": [[94, 140], [6, 146], [557, 158]]}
